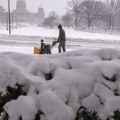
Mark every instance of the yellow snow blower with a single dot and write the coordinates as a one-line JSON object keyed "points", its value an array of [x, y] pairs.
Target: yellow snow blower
{"points": [[44, 49]]}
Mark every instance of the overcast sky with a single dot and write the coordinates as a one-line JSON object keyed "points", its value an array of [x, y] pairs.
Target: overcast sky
{"points": [[59, 6]]}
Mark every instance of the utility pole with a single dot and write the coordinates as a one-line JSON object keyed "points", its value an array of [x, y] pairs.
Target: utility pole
{"points": [[6, 20], [9, 17]]}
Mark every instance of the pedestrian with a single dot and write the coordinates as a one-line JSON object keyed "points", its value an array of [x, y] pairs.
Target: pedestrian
{"points": [[61, 39]]}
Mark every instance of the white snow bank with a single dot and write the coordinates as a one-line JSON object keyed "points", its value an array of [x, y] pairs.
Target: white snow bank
{"points": [[24, 107], [59, 84], [70, 33]]}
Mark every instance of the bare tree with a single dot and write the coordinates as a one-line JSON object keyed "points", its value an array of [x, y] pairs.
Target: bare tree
{"points": [[52, 20], [113, 7], [67, 19], [91, 11], [74, 8]]}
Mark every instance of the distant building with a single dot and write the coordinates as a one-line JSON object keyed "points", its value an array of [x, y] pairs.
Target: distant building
{"points": [[22, 15], [2, 15], [41, 15]]}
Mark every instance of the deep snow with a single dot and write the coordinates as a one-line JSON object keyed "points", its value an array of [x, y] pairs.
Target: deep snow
{"points": [[80, 78], [48, 32], [84, 77]]}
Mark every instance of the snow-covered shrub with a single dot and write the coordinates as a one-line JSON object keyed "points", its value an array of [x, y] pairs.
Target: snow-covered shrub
{"points": [[116, 115], [24, 107], [108, 54], [84, 114], [11, 94], [76, 85]]}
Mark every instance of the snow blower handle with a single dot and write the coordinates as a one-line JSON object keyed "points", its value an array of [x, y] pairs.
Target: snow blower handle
{"points": [[54, 42]]}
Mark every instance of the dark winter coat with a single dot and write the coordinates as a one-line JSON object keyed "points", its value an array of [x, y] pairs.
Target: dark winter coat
{"points": [[62, 37]]}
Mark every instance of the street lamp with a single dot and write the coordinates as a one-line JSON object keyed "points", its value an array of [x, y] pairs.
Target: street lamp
{"points": [[9, 18]]}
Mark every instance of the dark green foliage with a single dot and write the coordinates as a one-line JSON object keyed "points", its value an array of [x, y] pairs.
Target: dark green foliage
{"points": [[86, 115], [82, 113], [20, 118], [112, 79], [5, 116], [116, 93], [12, 93], [106, 59], [37, 117], [48, 76], [116, 115]]}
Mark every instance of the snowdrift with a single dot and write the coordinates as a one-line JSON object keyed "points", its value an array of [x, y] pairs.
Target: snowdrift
{"points": [[67, 86]]}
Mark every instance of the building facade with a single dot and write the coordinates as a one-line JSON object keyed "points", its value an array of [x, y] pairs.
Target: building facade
{"points": [[21, 15], [2, 15]]}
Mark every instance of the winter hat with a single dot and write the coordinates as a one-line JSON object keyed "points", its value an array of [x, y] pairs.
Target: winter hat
{"points": [[59, 26]]}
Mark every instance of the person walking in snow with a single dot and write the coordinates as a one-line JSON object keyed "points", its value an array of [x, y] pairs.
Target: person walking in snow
{"points": [[61, 39]]}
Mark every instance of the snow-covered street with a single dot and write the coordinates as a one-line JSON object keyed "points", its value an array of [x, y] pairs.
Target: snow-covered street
{"points": [[30, 37]]}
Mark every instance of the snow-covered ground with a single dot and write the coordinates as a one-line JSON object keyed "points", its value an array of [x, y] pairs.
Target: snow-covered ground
{"points": [[70, 33], [31, 36], [58, 86]]}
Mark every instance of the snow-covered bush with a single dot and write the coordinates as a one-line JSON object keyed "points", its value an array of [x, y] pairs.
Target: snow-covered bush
{"points": [[76, 85]]}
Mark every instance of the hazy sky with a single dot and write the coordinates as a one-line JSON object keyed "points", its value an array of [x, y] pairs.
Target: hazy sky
{"points": [[59, 6]]}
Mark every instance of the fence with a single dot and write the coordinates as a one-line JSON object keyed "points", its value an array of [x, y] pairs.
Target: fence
{"points": [[106, 30]]}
